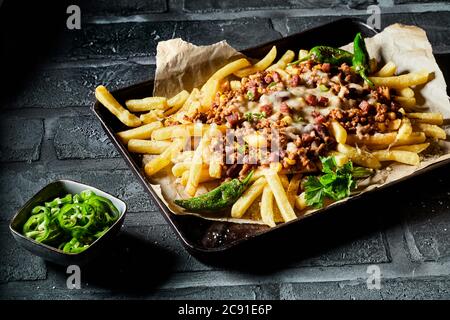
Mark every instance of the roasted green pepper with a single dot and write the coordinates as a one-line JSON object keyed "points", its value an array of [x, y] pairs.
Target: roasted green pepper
{"points": [[325, 54], [217, 199], [361, 58]]}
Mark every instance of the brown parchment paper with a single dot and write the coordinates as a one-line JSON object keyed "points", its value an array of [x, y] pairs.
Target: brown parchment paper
{"points": [[182, 65]]}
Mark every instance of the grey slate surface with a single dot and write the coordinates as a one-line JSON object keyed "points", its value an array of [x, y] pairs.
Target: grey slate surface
{"points": [[48, 132]]}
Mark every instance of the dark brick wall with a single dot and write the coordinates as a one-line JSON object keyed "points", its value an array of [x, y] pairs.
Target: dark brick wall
{"points": [[47, 132]]}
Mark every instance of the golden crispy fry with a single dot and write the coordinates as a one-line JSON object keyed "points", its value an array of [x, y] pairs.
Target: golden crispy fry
{"points": [[401, 156], [376, 139], [208, 93], [340, 158], [274, 181], [405, 92], [147, 104], [431, 130], [394, 124], [292, 189], [284, 60], [196, 167], [109, 102], [147, 146], [414, 138], [228, 69], [267, 207], [405, 130], [176, 102], [152, 115], [388, 70], [338, 132], [165, 158], [417, 148], [215, 165], [403, 81], [300, 201], [256, 140], [142, 132], [406, 102], [358, 156], [248, 197], [204, 177], [179, 168], [262, 64], [426, 117], [284, 181], [182, 130], [185, 156]]}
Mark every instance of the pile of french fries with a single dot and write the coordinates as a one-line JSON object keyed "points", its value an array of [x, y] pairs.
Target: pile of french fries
{"points": [[280, 198]]}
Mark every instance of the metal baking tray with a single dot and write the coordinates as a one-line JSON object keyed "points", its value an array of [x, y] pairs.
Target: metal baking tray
{"points": [[208, 238]]}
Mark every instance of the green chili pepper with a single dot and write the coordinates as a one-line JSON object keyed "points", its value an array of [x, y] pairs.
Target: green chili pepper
{"points": [[361, 58], [82, 218], [325, 54], [217, 199], [74, 246], [59, 201]]}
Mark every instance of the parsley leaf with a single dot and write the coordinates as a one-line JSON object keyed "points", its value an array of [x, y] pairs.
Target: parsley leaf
{"points": [[336, 183], [250, 95], [254, 116]]}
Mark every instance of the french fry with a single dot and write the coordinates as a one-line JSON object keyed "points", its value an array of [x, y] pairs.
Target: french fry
{"points": [[407, 102], [142, 132], [204, 177], [286, 58], [146, 104], [262, 64], [394, 124], [388, 70], [376, 139], [401, 156], [286, 210], [358, 156], [109, 102], [405, 92], [413, 138], [208, 93], [248, 197], [300, 201], [229, 69], [431, 130], [427, 117], [292, 189], [151, 116], [215, 165], [181, 131], [340, 158], [179, 168], [267, 207], [400, 82], [338, 132], [417, 148], [196, 167], [165, 158], [256, 140], [147, 146], [405, 129], [176, 102], [235, 85]]}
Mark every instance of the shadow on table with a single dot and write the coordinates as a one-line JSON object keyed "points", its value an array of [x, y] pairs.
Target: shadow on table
{"points": [[128, 264], [340, 227]]}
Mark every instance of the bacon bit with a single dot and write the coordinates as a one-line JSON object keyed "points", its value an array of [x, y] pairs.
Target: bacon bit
{"points": [[268, 79], [284, 108], [267, 108], [323, 101], [295, 80], [276, 76], [232, 119], [326, 67], [311, 100]]}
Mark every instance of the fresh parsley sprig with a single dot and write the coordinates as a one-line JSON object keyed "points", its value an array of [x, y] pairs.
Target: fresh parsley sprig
{"points": [[336, 183], [254, 116]]}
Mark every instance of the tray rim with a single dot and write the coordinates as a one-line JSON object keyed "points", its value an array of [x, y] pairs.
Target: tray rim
{"points": [[165, 211]]}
